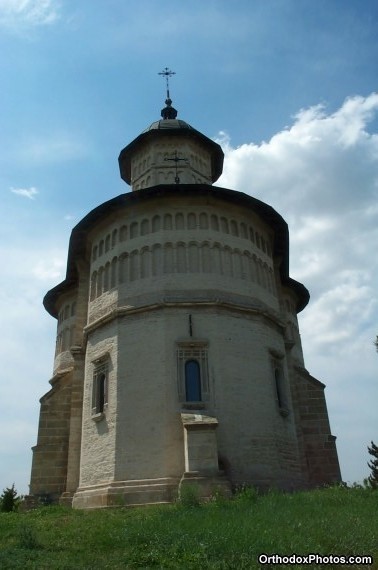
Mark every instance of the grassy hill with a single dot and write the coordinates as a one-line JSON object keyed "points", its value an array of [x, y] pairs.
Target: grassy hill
{"points": [[223, 534]]}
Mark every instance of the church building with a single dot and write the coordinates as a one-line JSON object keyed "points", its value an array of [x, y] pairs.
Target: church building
{"points": [[178, 355]]}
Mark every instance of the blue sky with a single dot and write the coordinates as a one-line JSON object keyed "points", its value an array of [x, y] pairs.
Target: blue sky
{"points": [[287, 86]]}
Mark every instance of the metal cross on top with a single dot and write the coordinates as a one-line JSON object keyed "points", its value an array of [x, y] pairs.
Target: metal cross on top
{"points": [[167, 73], [176, 159]]}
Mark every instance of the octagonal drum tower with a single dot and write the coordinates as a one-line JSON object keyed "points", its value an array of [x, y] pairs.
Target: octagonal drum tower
{"points": [[178, 351]]}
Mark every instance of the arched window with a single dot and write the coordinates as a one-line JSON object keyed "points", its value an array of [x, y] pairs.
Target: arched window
{"points": [[106, 277], [204, 221], [113, 273], [156, 223], [234, 228], [180, 221], [181, 258], [192, 221], [134, 230], [93, 293], [114, 237], [168, 222], [193, 257], [107, 243], [214, 222], [145, 227], [123, 233], [243, 230], [192, 381], [224, 225]]}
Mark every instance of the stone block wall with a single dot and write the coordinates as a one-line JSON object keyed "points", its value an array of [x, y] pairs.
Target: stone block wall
{"points": [[318, 444], [49, 467]]}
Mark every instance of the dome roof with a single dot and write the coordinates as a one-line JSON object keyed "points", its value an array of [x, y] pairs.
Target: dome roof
{"points": [[168, 124]]}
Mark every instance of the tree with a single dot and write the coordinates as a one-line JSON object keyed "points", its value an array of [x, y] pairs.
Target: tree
{"points": [[373, 464], [9, 500], [376, 343]]}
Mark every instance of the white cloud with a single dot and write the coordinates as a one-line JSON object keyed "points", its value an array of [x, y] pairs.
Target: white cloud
{"points": [[26, 192], [26, 349], [29, 13], [47, 269], [321, 175]]}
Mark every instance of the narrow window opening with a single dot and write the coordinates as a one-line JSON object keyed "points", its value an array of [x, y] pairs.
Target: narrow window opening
{"points": [[278, 382], [100, 390], [193, 376], [101, 385], [280, 391], [192, 381]]}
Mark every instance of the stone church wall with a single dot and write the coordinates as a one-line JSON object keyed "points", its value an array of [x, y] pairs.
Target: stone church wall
{"points": [[319, 446], [161, 282], [49, 468]]}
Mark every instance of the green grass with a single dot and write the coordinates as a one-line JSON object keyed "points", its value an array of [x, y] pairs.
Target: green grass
{"points": [[223, 534]]}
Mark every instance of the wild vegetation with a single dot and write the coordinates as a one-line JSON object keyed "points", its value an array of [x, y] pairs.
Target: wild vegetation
{"points": [[222, 534], [372, 480], [9, 500]]}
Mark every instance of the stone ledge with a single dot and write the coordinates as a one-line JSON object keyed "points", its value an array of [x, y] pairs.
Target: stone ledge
{"points": [[126, 493]]}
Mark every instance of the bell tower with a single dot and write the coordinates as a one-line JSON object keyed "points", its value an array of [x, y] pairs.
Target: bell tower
{"points": [[170, 151]]}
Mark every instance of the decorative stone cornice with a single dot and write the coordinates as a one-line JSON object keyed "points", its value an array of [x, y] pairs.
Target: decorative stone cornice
{"points": [[248, 307]]}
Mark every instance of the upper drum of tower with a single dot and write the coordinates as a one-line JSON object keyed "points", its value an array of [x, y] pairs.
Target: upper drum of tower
{"points": [[170, 151]]}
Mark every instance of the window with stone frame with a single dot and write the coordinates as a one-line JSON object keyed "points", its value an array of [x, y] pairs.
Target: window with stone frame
{"points": [[280, 387], [192, 373], [100, 387]]}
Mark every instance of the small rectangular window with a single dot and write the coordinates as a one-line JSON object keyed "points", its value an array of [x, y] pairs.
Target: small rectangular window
{"points": [[100, 388], [192, 372], [280, 388]]}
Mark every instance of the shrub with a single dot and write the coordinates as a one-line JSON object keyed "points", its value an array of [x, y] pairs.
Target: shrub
{"points": [[9, 500], [373, 464]]}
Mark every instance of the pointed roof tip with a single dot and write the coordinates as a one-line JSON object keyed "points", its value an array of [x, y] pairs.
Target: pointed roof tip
{"points": [[168, 112]]}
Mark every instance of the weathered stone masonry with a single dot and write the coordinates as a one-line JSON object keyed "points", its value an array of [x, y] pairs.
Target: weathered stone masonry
{"points": [[178, 354]]}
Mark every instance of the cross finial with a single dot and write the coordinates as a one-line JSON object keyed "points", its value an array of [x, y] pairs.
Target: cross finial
{"points": [[167, 73]]}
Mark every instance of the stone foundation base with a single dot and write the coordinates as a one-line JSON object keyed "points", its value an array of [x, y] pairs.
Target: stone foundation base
{"points": [[126, 493], [207, 485], [66, 499]]}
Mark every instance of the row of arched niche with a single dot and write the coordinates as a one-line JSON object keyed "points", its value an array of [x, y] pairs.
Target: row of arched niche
{"points": [[65, 339], [180, 257], [67, 311], [181, 221]]}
